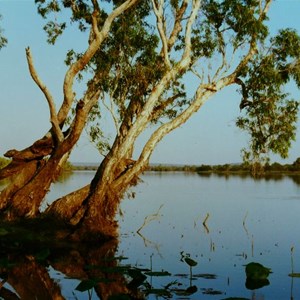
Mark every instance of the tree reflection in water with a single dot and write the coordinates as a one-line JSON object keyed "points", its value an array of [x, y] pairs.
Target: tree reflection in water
{"points": [[25, 274]]}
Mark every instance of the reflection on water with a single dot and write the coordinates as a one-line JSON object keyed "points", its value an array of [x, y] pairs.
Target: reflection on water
{"points": [[219, 223]]}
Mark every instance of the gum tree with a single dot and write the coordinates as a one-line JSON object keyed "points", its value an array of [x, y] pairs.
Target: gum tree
{"points": [[139, 58]]}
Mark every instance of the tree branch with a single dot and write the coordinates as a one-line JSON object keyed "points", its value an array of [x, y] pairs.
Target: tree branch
{"points": [[162, 106], [110, 108], [53, 116], [145, 116], [188, 31], [81, 63], [158, 10], [177, 24], [82, 110]]}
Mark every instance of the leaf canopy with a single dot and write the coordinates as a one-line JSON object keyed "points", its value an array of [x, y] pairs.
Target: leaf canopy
{"points": [[229, 38]]}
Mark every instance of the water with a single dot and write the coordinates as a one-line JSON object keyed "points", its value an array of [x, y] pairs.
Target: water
{"points": [[247, 220]]}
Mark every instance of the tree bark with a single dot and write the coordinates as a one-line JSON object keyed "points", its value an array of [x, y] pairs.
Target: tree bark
{"points": [[24, 197]]}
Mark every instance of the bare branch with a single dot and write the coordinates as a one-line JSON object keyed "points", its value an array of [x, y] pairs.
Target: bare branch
{"points": [[53, 116], [150, 218], [158, 10]]}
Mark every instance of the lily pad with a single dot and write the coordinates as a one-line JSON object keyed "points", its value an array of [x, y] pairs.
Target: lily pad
{"points": [[256, 271], [190, 262]]}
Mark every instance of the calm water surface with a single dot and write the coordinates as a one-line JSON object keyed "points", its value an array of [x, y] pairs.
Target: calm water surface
{"points": [[249, 221]]}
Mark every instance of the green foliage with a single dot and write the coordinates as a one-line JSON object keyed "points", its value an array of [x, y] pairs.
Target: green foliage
{"points": [[270, 115], [130, 63], [54, 30], [204, 168]]}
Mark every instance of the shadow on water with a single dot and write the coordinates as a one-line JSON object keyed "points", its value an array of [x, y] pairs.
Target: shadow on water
{"points": [[29, 270]]}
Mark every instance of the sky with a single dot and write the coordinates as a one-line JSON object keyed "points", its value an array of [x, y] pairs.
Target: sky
{"points": [[209, 137]]}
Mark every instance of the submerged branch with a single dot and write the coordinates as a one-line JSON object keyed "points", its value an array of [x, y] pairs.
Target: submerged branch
{"points": [[150, 218]]}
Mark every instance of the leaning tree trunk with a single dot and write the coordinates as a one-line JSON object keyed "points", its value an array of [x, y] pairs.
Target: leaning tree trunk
{"points": [[24, 197], [35, 168], [24, 171], [93, 208]]}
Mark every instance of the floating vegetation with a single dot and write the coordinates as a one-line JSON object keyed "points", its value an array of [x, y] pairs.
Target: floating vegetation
{"points": [[256, 271], [297, 275], [159, 273], [257, 275], [205, 276], [211, 291], [185, 292], [191, 263]]}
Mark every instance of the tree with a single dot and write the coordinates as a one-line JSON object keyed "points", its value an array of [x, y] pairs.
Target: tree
{"points": [[136, 65]]}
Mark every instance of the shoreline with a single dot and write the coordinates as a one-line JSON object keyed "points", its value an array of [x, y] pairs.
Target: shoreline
{"points": [[226, 169]]}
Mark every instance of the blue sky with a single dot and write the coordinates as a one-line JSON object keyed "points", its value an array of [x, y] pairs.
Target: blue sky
{"points": [[209, 137]]}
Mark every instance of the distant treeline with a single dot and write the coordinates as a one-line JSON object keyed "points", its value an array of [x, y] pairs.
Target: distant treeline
{"points": [[248, 168], [230, 168], [225, 168]]}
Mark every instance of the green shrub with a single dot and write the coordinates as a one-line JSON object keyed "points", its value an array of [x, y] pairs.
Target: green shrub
{"points": [[204, 168]]}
